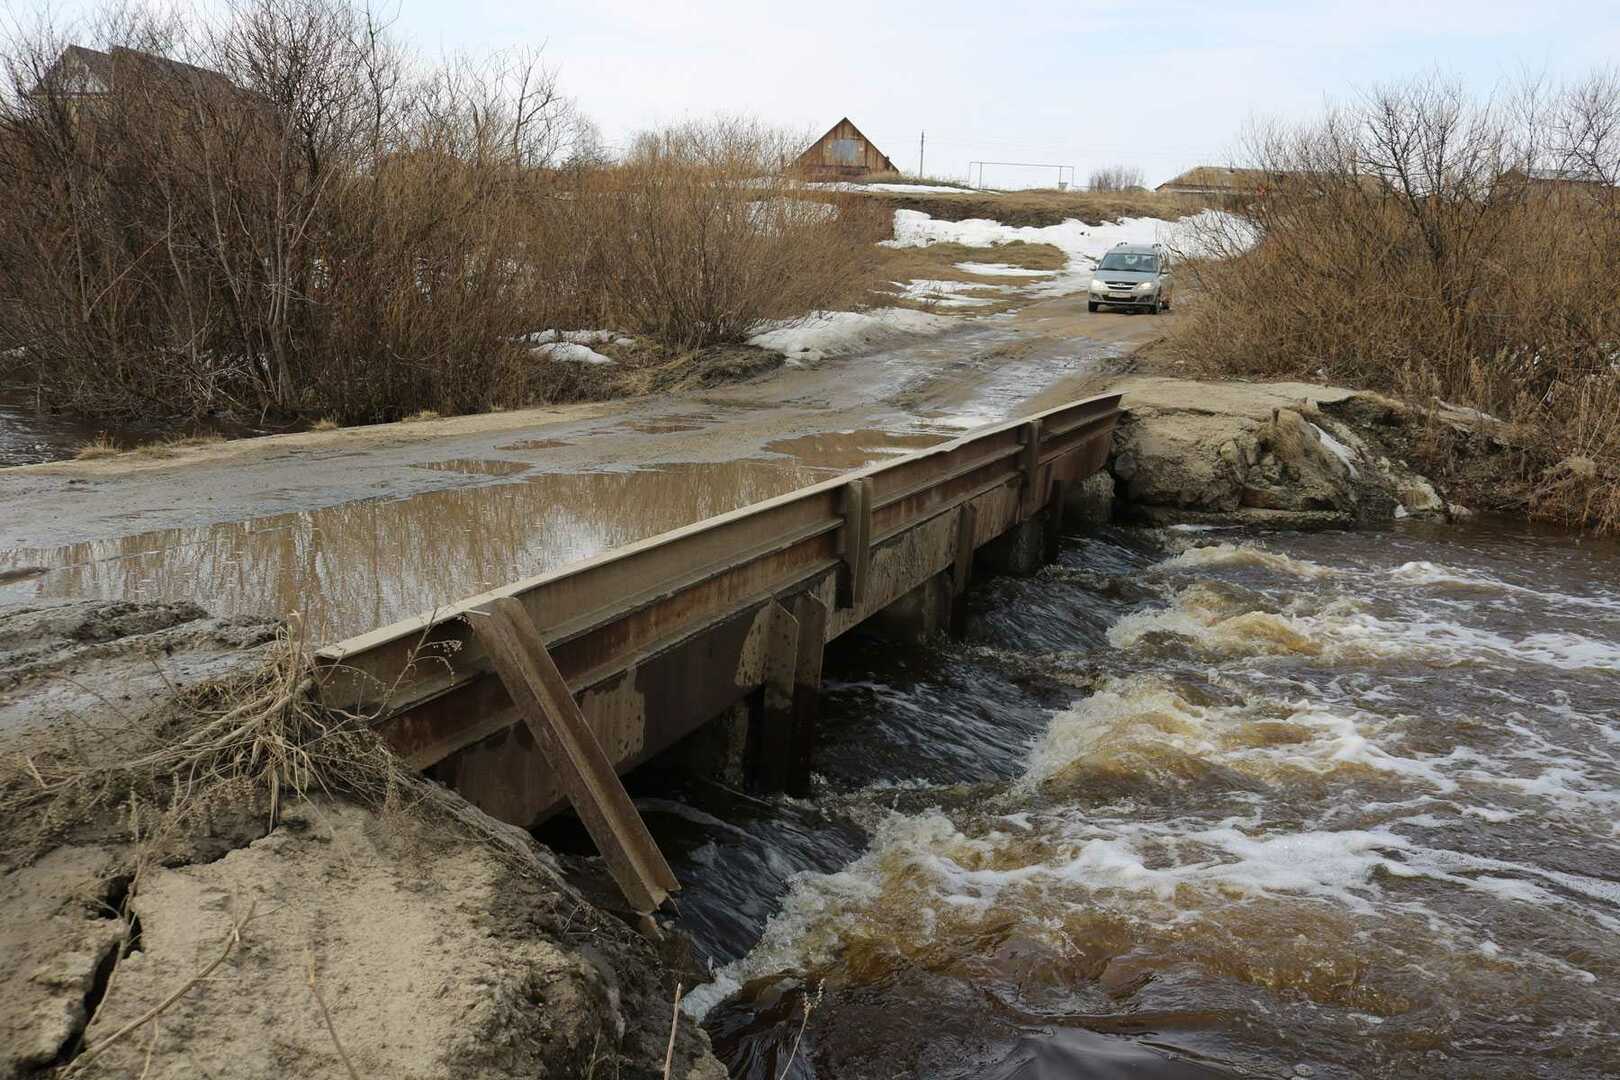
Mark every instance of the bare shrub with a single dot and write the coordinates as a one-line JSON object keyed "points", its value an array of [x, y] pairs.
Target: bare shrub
{"points": [[699, 238], [1116, 178], [1436, 246], [282, 211]]}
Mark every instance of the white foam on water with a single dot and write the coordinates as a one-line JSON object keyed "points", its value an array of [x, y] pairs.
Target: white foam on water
{"points": [[1242, 555], [1141, 725], [1342, 632]]}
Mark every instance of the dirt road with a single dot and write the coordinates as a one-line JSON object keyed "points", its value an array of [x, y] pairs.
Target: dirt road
{"points": [[358, 527]]}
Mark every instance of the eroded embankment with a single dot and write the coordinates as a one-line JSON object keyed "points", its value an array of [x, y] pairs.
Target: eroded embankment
{"points": [[217, 879]]}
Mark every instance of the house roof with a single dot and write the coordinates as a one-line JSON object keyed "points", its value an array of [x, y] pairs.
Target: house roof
{"points": [[1562, 176], [861, 134], [81, 70]]}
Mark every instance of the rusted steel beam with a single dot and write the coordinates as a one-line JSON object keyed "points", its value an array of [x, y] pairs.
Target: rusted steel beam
{"points": [[569, 747]]}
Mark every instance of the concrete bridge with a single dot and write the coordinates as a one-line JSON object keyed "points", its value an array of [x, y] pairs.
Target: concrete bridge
{"points": [[655, 639]]}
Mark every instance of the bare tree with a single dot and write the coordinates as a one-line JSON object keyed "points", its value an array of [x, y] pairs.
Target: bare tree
{"points": [[1117, 178]]}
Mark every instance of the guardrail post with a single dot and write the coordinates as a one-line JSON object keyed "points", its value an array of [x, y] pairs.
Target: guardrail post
{"points": [[857, 542], [811, 615], [1029, 465], [771, 745], [569, 746]]}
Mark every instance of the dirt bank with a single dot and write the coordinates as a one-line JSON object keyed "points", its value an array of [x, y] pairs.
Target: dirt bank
{"points": [[1283, 454], [158, 924]]}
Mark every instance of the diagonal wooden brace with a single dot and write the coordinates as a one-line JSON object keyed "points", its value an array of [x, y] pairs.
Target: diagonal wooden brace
{"points": [[569, 746]]}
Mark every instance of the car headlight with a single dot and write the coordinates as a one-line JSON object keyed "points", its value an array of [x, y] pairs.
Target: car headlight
{"points": [[1097, 286], [1146, 286]]}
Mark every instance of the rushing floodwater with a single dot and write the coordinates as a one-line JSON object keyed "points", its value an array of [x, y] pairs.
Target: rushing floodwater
{"points": [[1198, 804]]}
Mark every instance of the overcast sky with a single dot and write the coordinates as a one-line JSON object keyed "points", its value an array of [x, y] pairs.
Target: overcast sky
{"points": [[1162, 85]]}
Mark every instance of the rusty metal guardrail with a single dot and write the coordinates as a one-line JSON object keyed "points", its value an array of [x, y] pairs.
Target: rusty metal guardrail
{"points": [[657, 637]]}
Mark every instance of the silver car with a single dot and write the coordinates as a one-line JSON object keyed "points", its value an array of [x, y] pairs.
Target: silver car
{"points": [[1135, 276]]}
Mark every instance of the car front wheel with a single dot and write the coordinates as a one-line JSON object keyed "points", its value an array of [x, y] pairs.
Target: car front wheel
{"points": [[1092, 305]]}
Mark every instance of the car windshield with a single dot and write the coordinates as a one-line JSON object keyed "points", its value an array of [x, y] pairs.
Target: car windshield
{"points": [[1140, 261]]}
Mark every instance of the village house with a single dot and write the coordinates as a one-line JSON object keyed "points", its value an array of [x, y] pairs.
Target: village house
{"points": [[843, 153]]}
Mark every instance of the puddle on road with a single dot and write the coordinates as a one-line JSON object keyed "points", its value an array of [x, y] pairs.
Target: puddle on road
{"points": [[535, 444], [477, 466], [853, 449], [360, 565], [670, 425]]}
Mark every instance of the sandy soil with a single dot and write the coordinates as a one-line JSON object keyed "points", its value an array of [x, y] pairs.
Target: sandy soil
{"points": [[432, 959]]}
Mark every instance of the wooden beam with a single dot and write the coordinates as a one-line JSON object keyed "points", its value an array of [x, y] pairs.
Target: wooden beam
{"points": [[811, 615], [553, 717]]}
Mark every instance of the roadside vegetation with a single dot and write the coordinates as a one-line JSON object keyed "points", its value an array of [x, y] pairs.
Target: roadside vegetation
{"points": [[314, 222], [1442, 249]]}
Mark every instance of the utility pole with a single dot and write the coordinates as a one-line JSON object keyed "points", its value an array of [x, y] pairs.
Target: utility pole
{"points": [[922, 142]]}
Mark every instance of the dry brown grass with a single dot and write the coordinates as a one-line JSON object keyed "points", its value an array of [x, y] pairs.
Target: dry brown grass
{"points": [[325, 423], [239, 748], [1415, 265], [938, 261], [102, 446], [254, 740]]}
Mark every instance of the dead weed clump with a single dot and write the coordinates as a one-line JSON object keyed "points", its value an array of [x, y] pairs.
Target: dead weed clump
{"points": [[248, 744], [1450, 252], [102, 446]]}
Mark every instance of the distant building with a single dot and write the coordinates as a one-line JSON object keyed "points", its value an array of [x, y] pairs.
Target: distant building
{"points": [[842, 154], [1560, 182], [1215, 180], [81, 78], [1241, 186]]}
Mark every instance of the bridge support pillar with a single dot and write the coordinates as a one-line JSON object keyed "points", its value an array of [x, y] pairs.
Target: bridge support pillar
{"points": [[785, 712], [1021, 550], [920, 613]]}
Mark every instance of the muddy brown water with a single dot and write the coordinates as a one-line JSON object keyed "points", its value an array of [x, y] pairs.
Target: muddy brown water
{"points": [[1196, 804], [362, 564], [359, 565]]}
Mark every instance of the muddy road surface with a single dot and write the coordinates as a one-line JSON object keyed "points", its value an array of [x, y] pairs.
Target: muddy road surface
{"points": [[359, 527]]}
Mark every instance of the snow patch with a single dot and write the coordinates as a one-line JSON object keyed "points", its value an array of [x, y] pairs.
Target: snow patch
{"points": [[569, 352], [837, 333], [1000, 270], [1337, 449], [1083, 244]]}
